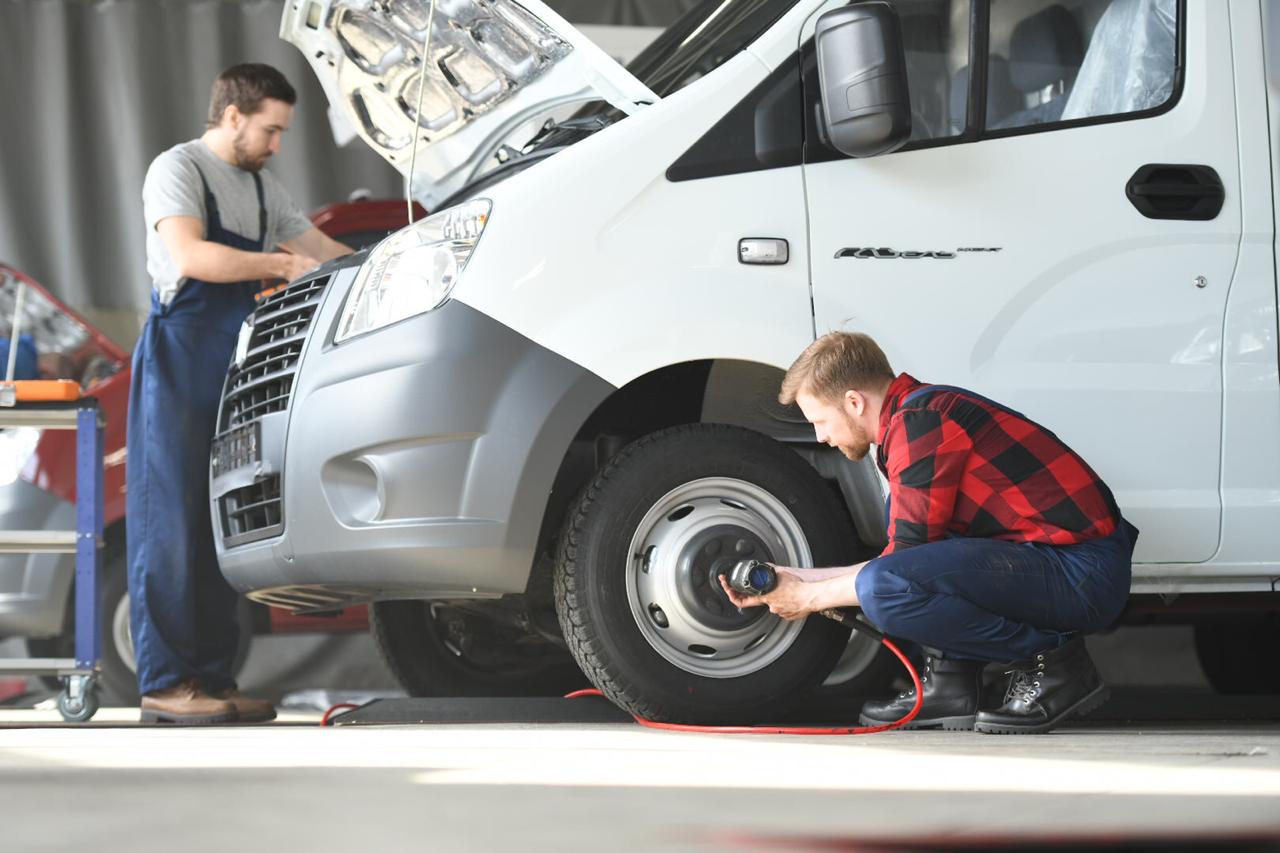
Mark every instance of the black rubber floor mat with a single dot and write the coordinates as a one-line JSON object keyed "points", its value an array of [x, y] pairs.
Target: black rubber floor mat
{"points": [[482, 710], [1127, 705]]}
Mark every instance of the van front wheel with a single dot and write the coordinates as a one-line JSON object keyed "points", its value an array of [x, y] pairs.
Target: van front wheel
{"points": [[636, 575]]}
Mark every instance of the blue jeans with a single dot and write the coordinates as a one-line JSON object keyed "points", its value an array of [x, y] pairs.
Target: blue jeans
{"points": [[992, 600]]}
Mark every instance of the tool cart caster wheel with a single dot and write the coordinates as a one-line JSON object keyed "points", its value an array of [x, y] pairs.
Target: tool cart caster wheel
{"points": [[79, 708]]}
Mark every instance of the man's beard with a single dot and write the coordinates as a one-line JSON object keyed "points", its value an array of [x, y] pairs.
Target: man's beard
{"points": [[243, 160], [856, 452]]}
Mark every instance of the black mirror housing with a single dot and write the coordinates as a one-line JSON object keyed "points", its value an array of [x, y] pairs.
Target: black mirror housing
{"points": [[862, 72]]}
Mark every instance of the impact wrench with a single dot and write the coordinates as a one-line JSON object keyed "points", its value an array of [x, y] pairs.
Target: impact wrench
{"points": [[753, 577]]}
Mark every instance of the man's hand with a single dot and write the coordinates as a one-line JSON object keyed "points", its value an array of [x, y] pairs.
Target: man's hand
{"points": [[295, 266], [791, 599]]}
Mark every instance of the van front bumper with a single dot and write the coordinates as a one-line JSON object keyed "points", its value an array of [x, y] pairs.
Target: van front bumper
{"points": [[414, 462]]}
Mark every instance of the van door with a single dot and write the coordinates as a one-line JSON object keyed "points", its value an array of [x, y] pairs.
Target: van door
{"points": [[1065, 247]]}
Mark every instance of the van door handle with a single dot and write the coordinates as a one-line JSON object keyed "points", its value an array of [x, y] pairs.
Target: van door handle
{"points": [[1173, 191]]}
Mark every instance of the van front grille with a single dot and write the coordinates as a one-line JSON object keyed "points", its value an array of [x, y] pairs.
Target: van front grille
{"points": [[252, 512], [262, 383]]}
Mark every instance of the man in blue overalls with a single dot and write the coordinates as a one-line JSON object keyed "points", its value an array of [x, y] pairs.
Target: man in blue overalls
{"points": [[217, 225]]}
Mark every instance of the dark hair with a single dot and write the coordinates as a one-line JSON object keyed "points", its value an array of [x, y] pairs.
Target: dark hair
{"points": [[247, 86], [835, 363]]}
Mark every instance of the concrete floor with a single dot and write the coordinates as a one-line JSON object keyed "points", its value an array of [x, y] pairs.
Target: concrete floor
{"points": [[112, 786]]}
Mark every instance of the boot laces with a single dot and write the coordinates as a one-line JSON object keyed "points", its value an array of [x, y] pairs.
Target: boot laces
{"points": [[924, 678], [1024, 686]]}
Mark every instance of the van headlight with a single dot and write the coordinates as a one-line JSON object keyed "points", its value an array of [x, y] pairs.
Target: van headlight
{"points": [[414, 270]]}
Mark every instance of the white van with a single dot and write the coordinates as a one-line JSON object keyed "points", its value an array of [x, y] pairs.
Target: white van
{"points": [[556, 394]]}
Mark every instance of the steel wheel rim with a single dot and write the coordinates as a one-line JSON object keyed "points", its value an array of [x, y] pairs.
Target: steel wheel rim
{"points": [[689, 535]]}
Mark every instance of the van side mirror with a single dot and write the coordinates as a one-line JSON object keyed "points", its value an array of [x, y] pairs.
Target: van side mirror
{"points": [[862, 72]]}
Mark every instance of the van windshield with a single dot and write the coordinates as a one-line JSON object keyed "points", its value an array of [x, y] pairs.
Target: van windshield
{"points": [[701, 40]]}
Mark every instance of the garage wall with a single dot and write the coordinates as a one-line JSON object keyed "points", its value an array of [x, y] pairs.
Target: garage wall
{"points": [[92, 90]]}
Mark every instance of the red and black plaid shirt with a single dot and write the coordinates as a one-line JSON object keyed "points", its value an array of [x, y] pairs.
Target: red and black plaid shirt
{"points": [[962, 465]]}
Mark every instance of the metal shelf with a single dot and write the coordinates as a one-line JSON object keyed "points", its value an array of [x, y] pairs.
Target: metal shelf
{"points": [[38, 541], [41, 666], [60, 418]]}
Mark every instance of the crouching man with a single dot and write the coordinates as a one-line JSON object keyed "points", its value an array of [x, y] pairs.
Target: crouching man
{"points": [[1004, 545]]}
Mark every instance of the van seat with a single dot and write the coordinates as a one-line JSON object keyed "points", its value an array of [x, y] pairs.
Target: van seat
{"points": [[1045, 51], [1002, 98], [1130, 63]]}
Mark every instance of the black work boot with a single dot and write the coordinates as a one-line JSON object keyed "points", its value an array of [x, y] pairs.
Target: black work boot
{"points": [[951, 689], [1043, 693]]}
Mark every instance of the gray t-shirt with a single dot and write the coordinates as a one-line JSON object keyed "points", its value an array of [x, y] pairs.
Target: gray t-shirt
{"points": [[172, 188]]}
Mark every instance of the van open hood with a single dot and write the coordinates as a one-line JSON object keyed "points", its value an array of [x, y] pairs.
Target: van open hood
{"points": [[494, 65]]}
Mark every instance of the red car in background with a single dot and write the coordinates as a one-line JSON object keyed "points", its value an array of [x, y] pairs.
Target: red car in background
{"points": [[37, 477]]}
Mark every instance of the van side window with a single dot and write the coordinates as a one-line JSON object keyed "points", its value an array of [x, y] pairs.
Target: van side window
{"points": [[1047, 63], [935, 35], [762, 131], [1078, 59]]}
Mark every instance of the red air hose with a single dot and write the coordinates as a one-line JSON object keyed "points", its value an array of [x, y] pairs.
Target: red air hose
{"points": [[834, 615], [327, 719], [791, 730]]}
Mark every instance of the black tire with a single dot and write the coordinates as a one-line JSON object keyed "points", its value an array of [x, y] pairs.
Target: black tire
{"points": [[1238, 657], [118, 680], [598, 577], [413, 639]]}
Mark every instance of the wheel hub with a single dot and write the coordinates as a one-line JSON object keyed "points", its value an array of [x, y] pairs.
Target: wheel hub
{"points": [[708, 554], [687, 539]]}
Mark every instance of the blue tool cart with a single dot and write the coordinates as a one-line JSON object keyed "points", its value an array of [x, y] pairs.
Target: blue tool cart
{"points": [[78, 701]]}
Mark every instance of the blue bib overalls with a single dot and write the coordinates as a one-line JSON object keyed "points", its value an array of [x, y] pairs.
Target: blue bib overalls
{"points": [[182, 611]]}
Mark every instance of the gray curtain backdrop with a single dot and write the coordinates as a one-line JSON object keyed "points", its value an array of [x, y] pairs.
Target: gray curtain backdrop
{"points": [[92, 90]]}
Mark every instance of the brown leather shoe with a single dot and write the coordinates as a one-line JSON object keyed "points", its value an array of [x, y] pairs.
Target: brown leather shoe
{"points": [[186, 705], [248, 709]]}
